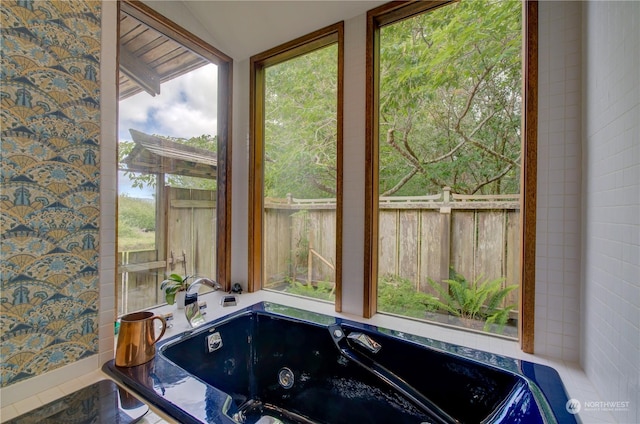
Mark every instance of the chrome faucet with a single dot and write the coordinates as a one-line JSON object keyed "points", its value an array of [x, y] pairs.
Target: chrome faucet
{"points": [[207, 282], [191, 307]]}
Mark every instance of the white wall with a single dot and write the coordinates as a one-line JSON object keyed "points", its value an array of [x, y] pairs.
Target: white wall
{"points": [[557, 316], [610, 348], [354, 165], [240, 173], [108, 179]]}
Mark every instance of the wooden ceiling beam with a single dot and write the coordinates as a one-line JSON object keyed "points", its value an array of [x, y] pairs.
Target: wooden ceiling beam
{"points": [[139, 72]]}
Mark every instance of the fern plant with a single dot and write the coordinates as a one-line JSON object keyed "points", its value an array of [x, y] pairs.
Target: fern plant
{"points": [[478, 300]]}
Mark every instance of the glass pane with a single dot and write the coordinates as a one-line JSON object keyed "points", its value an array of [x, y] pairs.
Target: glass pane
{"points": [[449, 165], [300, 175], [166, 187]]}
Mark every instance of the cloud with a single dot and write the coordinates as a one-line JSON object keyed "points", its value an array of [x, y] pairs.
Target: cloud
{"points": [[186, 107]]}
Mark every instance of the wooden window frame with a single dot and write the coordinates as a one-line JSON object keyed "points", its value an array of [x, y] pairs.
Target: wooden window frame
{"points": [[158, 22], [333, 34], [395, 11]]}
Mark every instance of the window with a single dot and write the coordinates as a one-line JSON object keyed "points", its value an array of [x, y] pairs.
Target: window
{"points": [[173, 203], [295, 155], [450, 139]]}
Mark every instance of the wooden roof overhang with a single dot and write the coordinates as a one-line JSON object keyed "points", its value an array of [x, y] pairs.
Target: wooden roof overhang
{"points": [[147, 58], [152, 154]]}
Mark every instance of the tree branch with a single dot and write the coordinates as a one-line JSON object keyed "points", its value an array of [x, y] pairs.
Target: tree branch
{"points": [[391, 140], [446, 155], [492, 179], [401, 183]]}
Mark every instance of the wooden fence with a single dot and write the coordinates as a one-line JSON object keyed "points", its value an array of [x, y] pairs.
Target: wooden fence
{"points": [[139, 280], [419, 238], [186, 245]]}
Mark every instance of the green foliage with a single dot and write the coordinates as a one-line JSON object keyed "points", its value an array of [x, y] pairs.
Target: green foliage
{"points": [[301, 125], [450, 107], [397, 295], [450, 102], [137, 179], [473, 299], [172, 285], [137, 213], [136, 223], [322, 290]]}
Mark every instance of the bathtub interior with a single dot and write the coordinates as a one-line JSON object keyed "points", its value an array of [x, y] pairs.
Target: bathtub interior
{"points": [[282, 367]]}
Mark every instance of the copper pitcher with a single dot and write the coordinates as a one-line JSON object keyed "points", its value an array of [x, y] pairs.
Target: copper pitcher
{"points": [[136, 339]]}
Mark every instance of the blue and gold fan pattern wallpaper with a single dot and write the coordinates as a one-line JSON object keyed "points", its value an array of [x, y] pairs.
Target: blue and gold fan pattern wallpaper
{"points": [[49, 185]]}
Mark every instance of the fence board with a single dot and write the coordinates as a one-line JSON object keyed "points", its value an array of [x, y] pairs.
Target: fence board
{"points": [[430, 249], [387, 245], [512, 262], [191, 229], [463, 242], [490, 245], [138, 279], [297, 255], [408, 247], [278, 241], [324, 243]]}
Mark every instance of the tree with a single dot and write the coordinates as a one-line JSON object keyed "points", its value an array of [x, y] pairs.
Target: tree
{"points": [[450, 107], [450, 100], [301, 125]]}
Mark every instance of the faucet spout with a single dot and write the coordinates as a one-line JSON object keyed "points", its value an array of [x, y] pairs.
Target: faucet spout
{"points": [[206, 281]]}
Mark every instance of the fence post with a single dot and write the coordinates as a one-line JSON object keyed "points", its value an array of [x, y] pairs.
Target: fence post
{"points": [[445, 237], [310, 259]]}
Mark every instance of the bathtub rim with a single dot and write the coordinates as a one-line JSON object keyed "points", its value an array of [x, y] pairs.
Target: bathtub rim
{"points": [[548, 380]]}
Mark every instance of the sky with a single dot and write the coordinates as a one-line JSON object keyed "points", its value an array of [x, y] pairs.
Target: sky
{"points": [[186, 107]]}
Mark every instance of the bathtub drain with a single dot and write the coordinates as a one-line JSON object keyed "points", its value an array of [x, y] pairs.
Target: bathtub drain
{"points": [[286, 378]]}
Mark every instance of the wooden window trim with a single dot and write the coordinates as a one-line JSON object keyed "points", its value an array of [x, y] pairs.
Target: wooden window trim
{"points": [[258, 63], [529, 177], [158, 22], [392, 12]]}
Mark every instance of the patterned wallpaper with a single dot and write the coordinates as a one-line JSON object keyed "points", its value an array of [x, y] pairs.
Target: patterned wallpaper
{"points": [[49, 185]]}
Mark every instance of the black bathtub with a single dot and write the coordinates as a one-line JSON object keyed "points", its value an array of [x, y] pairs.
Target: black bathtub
{"points": [[270, 363]]}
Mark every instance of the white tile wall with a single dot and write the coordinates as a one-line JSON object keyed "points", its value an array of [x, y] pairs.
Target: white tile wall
{"points": [[557, 328], [611, 189], [354, 170], [108, 180]]}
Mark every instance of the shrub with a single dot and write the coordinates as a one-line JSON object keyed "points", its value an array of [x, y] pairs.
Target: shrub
{"points": [[322, 290], [475, 300], [397, 295], [137, 213]]}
